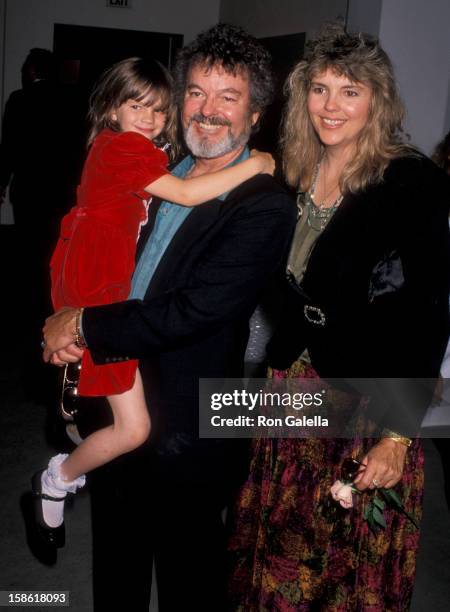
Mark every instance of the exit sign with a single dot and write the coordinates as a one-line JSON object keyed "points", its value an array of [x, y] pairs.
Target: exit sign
{"points": [[119, 3]]}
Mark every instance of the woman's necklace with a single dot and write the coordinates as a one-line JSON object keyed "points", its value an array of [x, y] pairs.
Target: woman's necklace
{"points": [[319, 215]]}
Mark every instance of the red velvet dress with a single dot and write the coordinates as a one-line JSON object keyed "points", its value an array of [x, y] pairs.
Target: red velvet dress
{"points": [[94, 259]]}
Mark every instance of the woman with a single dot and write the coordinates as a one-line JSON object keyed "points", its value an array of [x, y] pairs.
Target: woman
{"points": [[367, 295]]}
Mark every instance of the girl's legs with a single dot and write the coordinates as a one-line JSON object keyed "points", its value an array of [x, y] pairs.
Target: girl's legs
{"points": [[130, 429]]}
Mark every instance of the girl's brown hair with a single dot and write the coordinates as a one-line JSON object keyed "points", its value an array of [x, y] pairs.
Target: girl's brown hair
{"points": [[133, 79], [360, 58]]}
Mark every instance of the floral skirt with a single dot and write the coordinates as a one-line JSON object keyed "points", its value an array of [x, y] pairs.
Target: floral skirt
{"points": [[293, 548]]}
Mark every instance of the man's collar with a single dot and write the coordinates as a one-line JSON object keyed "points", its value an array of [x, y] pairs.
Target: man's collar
{"points": [[188, 162]]}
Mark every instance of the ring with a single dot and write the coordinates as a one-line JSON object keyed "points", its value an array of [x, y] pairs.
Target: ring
{"points": [[43, 344], [375, 482]]}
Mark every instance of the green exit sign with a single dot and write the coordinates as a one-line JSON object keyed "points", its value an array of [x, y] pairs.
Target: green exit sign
{"points": [[119, 3]]}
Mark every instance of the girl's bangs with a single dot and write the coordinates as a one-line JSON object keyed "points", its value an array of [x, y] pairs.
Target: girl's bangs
{"points": [[151, 94]]}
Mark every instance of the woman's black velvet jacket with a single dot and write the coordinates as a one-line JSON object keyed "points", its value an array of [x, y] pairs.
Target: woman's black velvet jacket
{"points": [[380, 275]]}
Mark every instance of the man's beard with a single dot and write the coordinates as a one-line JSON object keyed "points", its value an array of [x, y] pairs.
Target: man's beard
{"points": [[204, 148]]}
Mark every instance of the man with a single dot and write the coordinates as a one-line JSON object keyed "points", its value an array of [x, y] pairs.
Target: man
{"points": [[200, 276]]}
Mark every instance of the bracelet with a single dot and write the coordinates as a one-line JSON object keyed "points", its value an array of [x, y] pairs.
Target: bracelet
{"points": [[392, 435], [78, 336]]}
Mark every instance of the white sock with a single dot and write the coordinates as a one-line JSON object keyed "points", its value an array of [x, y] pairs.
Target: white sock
{"points": [[55, 486], [53, 512]]}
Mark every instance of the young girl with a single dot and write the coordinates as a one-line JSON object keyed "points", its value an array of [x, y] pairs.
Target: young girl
{"points": [[131, 114]]}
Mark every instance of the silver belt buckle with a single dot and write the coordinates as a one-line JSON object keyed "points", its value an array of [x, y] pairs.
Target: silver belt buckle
{"points": [[314, 315]]}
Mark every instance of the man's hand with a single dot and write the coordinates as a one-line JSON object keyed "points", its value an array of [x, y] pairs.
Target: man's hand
{"points": [[69, 354], [384, 465], [59, 334]]}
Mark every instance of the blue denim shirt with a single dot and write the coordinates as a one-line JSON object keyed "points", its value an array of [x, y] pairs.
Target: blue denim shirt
{"points": [[168, 219]]}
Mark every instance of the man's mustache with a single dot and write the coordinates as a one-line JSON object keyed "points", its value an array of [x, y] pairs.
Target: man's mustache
{"points": [[213, 120]]}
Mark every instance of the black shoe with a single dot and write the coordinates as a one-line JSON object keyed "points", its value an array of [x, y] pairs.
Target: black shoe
{"points": [[52, 536], [39, 548]]}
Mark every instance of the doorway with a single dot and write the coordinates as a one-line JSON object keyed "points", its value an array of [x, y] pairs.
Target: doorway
{"points": [[286, 51], [84, 52]]}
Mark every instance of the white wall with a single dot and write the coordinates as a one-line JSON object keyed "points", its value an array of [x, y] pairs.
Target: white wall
{"points": [[364, 16], [276, 17], [29, 23], [416, 36]]}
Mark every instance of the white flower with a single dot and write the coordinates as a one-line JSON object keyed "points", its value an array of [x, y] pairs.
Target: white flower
{"points": [[343, 494]]}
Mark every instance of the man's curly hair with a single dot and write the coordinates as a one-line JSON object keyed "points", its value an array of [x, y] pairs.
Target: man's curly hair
{"points": [[234, 49]]}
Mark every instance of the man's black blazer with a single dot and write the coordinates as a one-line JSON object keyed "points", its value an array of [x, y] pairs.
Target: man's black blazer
{"points": [[193, 321]]}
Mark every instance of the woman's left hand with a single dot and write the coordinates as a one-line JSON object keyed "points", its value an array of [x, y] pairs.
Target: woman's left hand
{"points": [[383, 465]]}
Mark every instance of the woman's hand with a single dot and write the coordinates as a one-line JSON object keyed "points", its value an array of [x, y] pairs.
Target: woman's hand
{"points": [[266, 160], [384, 465]]}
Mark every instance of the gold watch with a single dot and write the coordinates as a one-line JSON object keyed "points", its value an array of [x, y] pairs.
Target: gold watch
{"points": [[393, 435]]}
